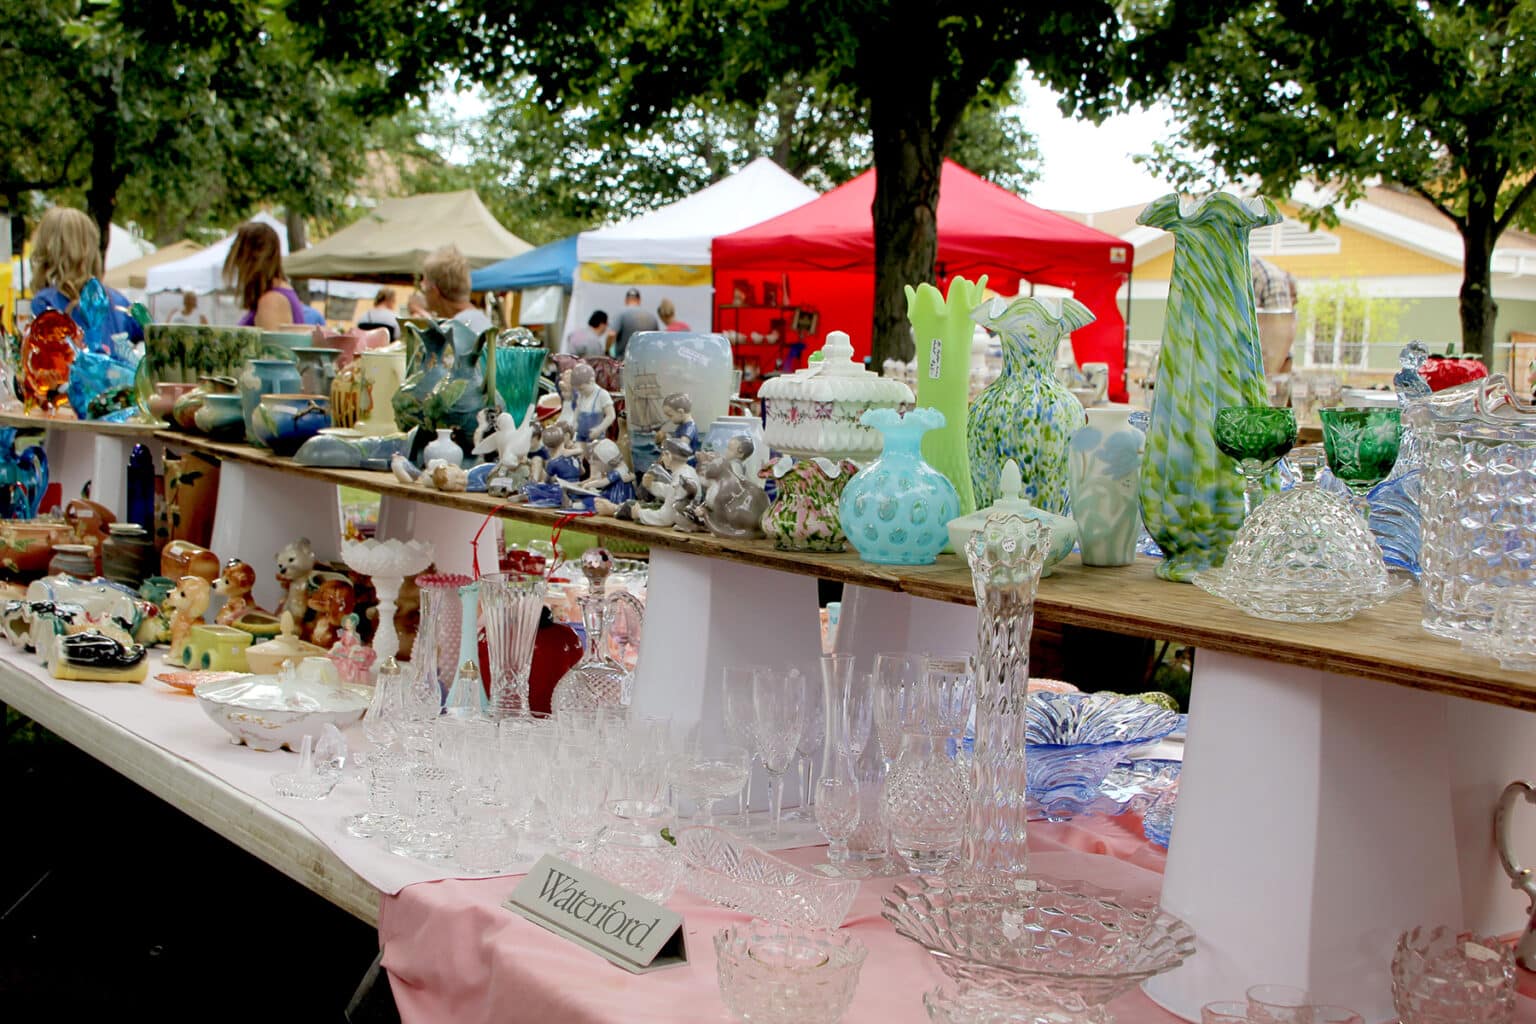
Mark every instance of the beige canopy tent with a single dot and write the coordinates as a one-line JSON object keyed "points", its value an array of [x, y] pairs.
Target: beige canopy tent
{"points": [[134, 273], [393, 239]]}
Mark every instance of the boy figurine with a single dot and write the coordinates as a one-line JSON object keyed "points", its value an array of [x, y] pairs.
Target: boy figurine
{"points": [[678, 410]]}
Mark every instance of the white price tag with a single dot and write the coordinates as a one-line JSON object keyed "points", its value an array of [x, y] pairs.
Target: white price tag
{"points": [[935, 357]]}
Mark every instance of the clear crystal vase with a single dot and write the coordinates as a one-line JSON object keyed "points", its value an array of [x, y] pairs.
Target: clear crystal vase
{"points": [[510, 604], [1005, 557]]}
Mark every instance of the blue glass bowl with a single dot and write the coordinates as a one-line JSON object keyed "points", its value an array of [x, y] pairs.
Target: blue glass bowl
{"points": [[1075, 739]]}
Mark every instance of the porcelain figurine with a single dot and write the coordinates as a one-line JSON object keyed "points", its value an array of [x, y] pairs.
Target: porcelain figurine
{"points": [[353, 658], [187, 604], [295, 567], [1063, 531], [803, 516], [332, 600], [562, 464], [214, 648], [941, 328], [94, 656], [183, 558], [677, 414], [234, 585], [671, 482], [610, 477], [592, 405], [404, 470], [508, 444], [1026, 415], [734, 500], [445, 477], [815, 412]]}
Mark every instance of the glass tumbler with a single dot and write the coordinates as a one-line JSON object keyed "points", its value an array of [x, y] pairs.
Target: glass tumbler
{"points": [[1224, 1013], [1441, 977], [926, 797], [1279, 1004]]}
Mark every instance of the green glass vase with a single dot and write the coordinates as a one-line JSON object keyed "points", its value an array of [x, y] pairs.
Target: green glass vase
{"points": [[942, 328]]}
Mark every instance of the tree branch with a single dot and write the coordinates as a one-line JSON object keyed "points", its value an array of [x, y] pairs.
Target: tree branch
{"points": [[1459, 220], [1521, 198]]}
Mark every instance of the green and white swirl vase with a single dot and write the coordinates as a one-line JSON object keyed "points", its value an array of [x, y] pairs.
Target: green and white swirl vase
{"points": [[1191, 500], [1026, 414]]}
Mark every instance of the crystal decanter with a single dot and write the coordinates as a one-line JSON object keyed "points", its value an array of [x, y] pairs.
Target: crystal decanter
{"points": [[596, 681]]}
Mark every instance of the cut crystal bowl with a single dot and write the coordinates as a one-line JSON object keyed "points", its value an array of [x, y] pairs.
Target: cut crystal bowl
{"points": [[770, 974], [1063, 949], [1304, 555], [1075, 739], [723, 869]]}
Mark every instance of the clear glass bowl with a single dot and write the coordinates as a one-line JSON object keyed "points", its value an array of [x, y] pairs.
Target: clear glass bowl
{"points": [[770, 974], [723, 869], [1075, 740], [972, 1005], [1305, 555], [1440, 977], [1065, 948]]}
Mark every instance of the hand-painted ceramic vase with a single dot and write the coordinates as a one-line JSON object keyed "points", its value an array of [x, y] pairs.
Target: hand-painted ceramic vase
{"points": [[895, 509], [382, 370], [446, 385], [804, 515], [1191, 501], [662, 363], [1104, 468], [265, 377], [191, 496], [317, 369], [1026, 414], [942, 329], [221, 417]]}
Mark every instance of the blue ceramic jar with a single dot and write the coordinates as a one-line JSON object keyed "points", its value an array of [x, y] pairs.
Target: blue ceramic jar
{"points": [[265, 377]]}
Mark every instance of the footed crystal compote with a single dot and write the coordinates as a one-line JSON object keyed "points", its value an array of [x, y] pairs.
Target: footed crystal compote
{"points": [[388, 562], [1256, 438]]}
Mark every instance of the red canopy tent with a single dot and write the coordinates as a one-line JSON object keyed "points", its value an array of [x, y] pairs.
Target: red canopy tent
{"points": [[823, 255]]}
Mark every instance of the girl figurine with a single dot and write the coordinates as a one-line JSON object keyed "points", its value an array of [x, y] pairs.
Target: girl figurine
{"points": [[593, 405], [610, 477], [353, 658], [562, 463]]}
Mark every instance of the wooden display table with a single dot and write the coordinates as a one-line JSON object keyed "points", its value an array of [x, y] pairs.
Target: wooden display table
{"points": [[1334, 792]]}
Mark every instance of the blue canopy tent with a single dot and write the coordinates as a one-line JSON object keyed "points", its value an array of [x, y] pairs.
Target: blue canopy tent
{"points": [[552, 264]]}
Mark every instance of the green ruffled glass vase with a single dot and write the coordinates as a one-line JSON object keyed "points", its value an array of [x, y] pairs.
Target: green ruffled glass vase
{"points": [[1026, 414], [1191, 501], [942, 328]]}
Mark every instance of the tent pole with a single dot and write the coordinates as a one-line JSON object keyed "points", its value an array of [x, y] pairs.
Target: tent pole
{"points": [[1127, 358]]}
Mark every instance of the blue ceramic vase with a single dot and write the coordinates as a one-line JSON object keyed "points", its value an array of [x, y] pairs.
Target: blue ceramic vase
{"points": [[662, 363], [265, 377], [896, 509]]}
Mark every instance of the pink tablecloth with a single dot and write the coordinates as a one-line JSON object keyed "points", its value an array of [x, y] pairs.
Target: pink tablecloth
{"points": [[453, 954]]}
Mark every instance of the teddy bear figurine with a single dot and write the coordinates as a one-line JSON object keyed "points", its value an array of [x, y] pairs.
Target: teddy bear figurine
{"points": [[295, 566]]}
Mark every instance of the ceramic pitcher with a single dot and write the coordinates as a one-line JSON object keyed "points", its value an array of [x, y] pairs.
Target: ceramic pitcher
{"points": [[1026, 414], [1191, 501]]}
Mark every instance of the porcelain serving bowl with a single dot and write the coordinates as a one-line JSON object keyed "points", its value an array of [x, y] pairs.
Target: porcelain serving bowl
{"points": [[266, 712], [283, 422]]}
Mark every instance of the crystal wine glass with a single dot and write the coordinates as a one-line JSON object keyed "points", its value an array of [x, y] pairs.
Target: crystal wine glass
{"points": [[778, 699], [898, 681], [809, 744], [1361, 445], [738, 714], [1255, 437], [948, 693]]}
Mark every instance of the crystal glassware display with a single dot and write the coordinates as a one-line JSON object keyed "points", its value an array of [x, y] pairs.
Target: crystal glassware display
{"points": [[596, 680], [381, 776], [770, 974], [1304, 556], [633, 852], [736, 875], [1479, 522], [510, 604], [737, 714], [1256, 438], [837, 784], [898, 679], [1006, 557], [307, 781], [386, 711], [1064, 949], [812, 726], [925, 802], [1075, 739], [1441, 977], [1361, 445], [577, 798], [424, 795]]}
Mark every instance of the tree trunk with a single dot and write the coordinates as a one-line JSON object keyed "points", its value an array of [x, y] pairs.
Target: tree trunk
{"points": [[298, 240], [1478, 310], [908, 158], [106, 178]]}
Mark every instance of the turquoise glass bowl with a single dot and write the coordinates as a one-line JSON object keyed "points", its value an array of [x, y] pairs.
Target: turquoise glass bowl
{"points": [[895, 511]]}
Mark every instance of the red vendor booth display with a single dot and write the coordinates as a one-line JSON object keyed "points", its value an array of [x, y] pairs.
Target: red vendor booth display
{"points": [[818, 262]]}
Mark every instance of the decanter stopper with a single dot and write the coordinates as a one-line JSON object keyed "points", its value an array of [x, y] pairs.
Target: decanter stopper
{"points": [[596, 565]]}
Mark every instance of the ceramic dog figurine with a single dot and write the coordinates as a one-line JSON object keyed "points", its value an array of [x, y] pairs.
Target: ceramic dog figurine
{"points": [[234, 585]]}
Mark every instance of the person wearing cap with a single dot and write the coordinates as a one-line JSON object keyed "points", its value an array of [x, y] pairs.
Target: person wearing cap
{"points": [[632, 321]]}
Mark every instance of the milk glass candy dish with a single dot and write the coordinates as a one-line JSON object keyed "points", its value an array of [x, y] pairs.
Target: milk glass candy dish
{"points": [[723, 869], [1057, 954], [1305, 555], [770, 974]]}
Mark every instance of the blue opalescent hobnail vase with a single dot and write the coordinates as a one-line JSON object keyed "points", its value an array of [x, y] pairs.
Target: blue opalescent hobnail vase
{"points": [[896, 509]]}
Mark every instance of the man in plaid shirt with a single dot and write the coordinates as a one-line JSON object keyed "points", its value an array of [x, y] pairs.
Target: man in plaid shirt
{"points": [[1274, 294]]}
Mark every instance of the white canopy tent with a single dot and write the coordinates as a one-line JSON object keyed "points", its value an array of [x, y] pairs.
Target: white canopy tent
{"points": [[666, 253]]}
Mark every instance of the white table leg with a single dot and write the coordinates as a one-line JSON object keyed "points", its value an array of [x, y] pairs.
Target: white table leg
{"points": [[260, 511], [1491, 746], [450, 532], [884, 620], [1314, 824], [71, 463], [702, 614]]}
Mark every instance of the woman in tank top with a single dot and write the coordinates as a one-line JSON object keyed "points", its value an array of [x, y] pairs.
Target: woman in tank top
{"points": [[254, 268]]}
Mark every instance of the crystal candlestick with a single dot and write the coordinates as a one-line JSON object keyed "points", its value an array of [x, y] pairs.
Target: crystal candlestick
{"points": [[1006, 557], [389, 563]]}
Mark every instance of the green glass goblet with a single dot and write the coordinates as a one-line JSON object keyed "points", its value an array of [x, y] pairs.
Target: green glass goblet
{"points": [[1361, 445], [1255, 437]]}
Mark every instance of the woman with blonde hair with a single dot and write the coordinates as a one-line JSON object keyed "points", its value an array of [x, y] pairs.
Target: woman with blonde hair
{"points": [[66, 253], [254, 268]]}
